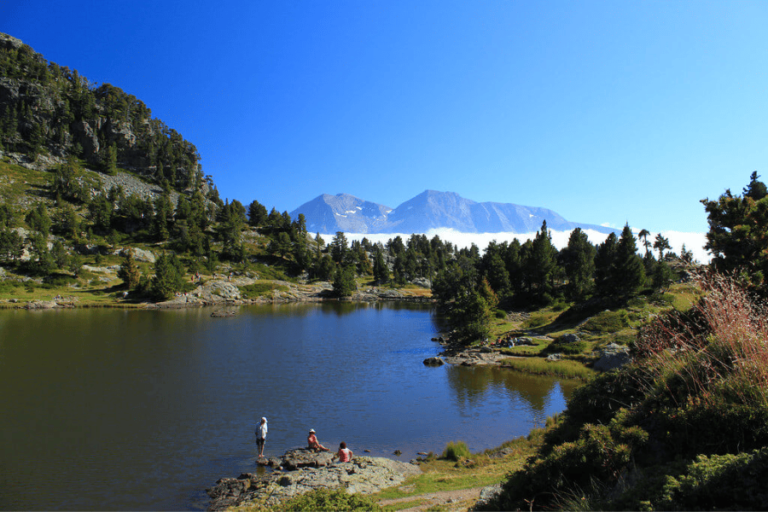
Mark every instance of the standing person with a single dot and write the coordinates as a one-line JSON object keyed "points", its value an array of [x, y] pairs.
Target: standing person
{"points": [[261, 436], [345, 454], [313, 444]]}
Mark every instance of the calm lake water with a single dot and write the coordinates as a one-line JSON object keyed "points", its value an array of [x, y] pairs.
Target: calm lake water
{"points": [[143, 410]]}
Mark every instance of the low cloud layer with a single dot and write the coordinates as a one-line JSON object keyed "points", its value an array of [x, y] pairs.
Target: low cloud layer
{"points": [[694, 242]]}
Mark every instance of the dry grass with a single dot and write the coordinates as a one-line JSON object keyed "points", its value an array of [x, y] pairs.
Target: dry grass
{"points": [[718, 347]]}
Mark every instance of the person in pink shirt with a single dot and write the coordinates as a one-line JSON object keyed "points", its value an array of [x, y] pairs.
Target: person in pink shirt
{"points": [[314, 444], [344, 454]]}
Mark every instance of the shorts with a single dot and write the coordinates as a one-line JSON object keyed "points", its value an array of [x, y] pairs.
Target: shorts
{"points": [[260, 441]]}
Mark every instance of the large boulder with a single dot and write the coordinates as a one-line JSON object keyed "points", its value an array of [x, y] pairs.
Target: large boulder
{"points": [[142, 255], [569, 338], [304, 457], [434, 361], [611, 357], [363, 475], [217, 291]]}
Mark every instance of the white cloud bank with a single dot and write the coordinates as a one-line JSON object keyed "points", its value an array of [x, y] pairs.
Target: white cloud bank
{"points": [[694, 242]]}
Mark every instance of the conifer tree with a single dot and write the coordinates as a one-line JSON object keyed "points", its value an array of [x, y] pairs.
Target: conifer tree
{"points": [[605, 266], [169, 274], [541, 266], [630, 274], [344, 281], [380, 269], [579, 264], [129, 271], [339, 248]]}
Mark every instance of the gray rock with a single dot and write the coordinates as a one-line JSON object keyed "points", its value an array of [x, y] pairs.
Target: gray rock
{"points": [[554, 357], [142, 255], [217, 291], [570, 338], [487, 494], [50, 304], [422, 282], [23, 233], [9, 43], [304, 457], [612, 356], [390, 294], [86, 137], [96, 269], [363, 475], [434, 361]]}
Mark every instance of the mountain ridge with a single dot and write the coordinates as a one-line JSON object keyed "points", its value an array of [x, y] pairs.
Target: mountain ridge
{"points": [[429, 210]]}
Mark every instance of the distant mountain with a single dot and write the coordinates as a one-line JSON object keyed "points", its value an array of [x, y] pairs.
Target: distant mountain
{"points": [[429, 210], [343, 212]]}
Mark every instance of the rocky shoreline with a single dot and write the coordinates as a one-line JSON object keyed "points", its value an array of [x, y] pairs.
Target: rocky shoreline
{"points": [[302, 470], [225, 292]]}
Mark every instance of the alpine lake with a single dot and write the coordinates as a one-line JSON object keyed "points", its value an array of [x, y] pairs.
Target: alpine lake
{"points": [[143, 410]]}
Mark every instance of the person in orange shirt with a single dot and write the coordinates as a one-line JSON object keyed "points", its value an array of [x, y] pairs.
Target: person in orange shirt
{"points": [[344, 454], [314, 444]]}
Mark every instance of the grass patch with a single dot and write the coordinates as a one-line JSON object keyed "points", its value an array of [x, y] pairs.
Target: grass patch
{"points": [[607, 321], [456, 451], [405, 505], [526, 350], [565, 369], [539, 319], [261, 289]]}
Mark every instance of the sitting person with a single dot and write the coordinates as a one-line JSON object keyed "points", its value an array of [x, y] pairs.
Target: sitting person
{"points": [[344, 454], [313, 444]]}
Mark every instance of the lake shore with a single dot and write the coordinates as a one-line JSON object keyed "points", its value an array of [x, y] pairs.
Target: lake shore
{"points": [[214, 293]]}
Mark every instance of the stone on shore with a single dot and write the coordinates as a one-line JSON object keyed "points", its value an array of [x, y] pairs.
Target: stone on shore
{"points": [[365, 475], [611, 357]]}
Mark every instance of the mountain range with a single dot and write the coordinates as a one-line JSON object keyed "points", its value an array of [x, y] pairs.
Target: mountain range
{"points": [[429, 210]]}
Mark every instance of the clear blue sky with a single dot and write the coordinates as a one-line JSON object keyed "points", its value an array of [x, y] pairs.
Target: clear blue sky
{"points": [[606, 112]]}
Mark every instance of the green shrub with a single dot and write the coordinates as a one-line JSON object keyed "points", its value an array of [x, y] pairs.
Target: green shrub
{"points": [[10, 287], [607, 321], [326, 499], [500, 314], [574, 348], [59, 280], [718, 482], [456, 451], [664, 299]]}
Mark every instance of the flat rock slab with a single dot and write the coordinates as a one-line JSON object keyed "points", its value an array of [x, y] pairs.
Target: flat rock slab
{"points": [[365, 475]]}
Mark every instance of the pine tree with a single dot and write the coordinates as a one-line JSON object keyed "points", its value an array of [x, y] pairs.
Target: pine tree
{"points": [[630, 274], [339, 248], [168, 279], [541, 267], [129, 271], [579, 264], [605, 266], [380, 269], [344, 281]]}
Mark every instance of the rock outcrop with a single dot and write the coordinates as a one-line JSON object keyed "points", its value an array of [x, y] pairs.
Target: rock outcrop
{"points": [[310, 471], [611, 357]]}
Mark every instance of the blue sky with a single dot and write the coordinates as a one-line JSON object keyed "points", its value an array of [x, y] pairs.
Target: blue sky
{"points": [[606, 112]]}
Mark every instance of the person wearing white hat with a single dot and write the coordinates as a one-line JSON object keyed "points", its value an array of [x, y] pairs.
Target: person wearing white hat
{"points": [[261, 436], [313, 443]]}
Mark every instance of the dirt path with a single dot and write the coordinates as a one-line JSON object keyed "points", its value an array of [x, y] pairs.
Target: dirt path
{"points": [[460, 500]]}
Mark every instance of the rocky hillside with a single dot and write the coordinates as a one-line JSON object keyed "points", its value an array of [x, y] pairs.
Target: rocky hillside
{"points": [[50, 111]]}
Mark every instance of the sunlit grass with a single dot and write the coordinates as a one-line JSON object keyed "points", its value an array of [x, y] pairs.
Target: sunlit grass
{"points": [[565, 368]]}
